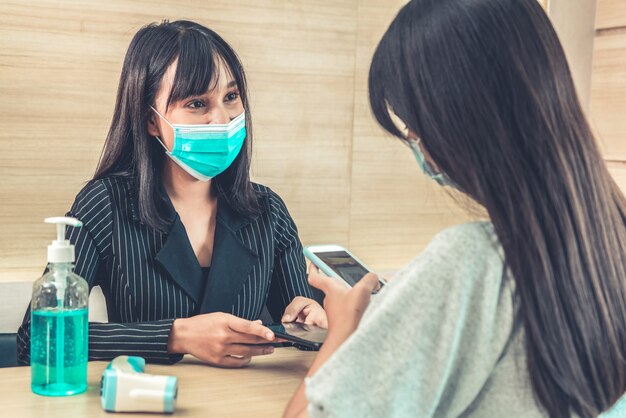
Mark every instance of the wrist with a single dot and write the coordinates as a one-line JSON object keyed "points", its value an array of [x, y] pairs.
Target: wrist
{"points": [[176, 341], [334, 339], [340, 331]]}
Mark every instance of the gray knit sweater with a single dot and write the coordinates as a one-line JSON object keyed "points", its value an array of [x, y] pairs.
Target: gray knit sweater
{"points": [[441, 340]]}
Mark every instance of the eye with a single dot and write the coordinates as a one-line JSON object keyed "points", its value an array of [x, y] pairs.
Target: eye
{"points": [[232, 96], [195, 104]]}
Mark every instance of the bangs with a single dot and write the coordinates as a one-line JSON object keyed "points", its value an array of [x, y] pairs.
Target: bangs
{"points": [[378, 95], [199, 62], [390, 101]]}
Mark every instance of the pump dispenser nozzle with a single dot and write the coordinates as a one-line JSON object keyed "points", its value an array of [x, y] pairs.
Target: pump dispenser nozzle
{"points": [[60, 251]]}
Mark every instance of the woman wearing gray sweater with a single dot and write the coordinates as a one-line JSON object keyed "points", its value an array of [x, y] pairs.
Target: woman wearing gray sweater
{"points": [[520, 316]]}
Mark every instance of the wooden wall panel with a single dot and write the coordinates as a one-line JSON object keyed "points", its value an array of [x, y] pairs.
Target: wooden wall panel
{"points": [[395, 210], [608, 94], [58, 77], [574, 23], [608, 88], [618, 170], [611, 14], [316, 143]]}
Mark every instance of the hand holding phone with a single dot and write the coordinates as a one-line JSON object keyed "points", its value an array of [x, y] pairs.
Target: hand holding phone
{"points": [[303, 335], [336, 261]]}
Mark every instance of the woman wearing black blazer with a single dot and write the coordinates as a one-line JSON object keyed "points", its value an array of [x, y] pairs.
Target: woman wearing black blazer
{"points": [[186, 249]]}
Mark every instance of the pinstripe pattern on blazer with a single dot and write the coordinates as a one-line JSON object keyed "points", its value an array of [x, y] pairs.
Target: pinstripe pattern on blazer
{"points": [[150, 278]]}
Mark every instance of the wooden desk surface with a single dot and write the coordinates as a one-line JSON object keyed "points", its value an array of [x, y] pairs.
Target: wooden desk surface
{"points": [[262, 389]]}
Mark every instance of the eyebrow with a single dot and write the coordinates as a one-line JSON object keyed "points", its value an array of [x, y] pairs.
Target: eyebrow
{"points": [[230, 84]]}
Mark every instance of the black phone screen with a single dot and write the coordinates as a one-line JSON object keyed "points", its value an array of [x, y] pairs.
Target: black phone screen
{"points": [[344, 265], [305, 334]]}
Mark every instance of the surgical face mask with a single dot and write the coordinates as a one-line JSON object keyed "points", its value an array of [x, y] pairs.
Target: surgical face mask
{"points": [[204, 151], [440, 178]]}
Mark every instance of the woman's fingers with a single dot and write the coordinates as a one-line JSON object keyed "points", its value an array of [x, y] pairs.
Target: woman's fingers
{"points": [[313, 269], [318, 317], [252, 328], [317, 281], [233, 362], [327, 284], [241, 338], [295, 308], [369, 283], [246, 350], [316, 278]]}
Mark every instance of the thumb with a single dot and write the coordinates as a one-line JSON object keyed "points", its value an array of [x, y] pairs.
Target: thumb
{"points": [[318, 281], [295, 307], [369, 283]]}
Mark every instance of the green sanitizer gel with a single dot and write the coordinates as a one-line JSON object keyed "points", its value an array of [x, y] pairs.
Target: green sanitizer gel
{"points": [[59, 322]]}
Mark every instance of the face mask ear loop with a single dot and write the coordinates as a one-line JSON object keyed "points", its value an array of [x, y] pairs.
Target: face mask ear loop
{"points": [[162, 144], [166, 121], [238, 119], [162, 117]]}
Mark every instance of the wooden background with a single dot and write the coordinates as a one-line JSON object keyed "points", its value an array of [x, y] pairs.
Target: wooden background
{"points": [[608, 85], [317, 145]]}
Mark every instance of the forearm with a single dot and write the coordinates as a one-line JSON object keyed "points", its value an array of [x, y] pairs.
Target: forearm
{"points": [[144, 339], [109, 340]]}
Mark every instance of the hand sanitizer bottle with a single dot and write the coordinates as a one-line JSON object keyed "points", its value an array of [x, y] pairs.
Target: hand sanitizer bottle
{"points": [[59, 322]]}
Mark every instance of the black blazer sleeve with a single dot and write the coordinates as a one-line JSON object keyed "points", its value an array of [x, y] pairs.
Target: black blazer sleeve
{"points": [[289, 275], [93, 246]]}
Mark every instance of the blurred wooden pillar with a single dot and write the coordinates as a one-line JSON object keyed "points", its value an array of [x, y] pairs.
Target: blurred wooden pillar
{"points": [[574, 21]]}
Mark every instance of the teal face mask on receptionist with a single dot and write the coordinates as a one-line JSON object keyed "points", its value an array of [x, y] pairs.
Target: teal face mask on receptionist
{"points": [[206, 150]]}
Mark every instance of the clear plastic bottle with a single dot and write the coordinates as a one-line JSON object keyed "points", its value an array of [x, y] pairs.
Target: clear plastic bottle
{"points": [[59, 322]]}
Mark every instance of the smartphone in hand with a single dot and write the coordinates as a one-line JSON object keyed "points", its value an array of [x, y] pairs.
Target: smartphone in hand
{"points": [[303, 335], [336, 261]]}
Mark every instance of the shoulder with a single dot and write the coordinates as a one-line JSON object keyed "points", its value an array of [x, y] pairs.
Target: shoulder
{"points": [[463, 265], [278, 216], [270, 200], [472, 247], [468, 237], [466, 242], [106, 187], [98, 197], [457, 290]]}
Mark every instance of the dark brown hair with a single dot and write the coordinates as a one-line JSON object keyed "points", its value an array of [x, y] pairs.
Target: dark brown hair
{"points": [[486, 86]]}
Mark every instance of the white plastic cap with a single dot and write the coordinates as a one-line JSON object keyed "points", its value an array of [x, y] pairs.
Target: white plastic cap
{"points": [[61, 251]]}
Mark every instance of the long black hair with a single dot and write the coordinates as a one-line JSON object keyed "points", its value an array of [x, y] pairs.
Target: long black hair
{"points": [[486, 86], [130, 151]]}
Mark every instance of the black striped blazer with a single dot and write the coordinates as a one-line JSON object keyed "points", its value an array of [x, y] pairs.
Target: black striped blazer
{"points": [[150, 278]]}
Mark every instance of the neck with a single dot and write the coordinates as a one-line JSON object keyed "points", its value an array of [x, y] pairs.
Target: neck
{"points": [[183, 187]]}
